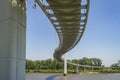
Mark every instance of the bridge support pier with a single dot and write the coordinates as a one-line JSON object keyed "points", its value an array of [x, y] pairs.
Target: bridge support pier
{"points": [[12, 39], [77, 71], [65, 65]]}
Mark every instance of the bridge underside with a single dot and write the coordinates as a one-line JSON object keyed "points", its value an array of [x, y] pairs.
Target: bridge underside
{"points": [[69, 18]]}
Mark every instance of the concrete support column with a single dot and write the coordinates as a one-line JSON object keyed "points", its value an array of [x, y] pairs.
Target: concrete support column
{"points": [[65, 65], [92, 68], [12, 39], [84, 68], [77, 70]]}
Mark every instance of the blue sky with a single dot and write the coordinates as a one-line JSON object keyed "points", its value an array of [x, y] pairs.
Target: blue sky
{"points": [[101, 38]]}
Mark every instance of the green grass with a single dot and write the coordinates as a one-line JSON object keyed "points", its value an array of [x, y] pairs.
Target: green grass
{"points": [[73, 71], [109, 71], [101, 71], [44, 71]]}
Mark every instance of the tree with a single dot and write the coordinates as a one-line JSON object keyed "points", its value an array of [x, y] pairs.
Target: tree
{"points": [[119, 63], [116, 65], [30, 64], [37, 64]]}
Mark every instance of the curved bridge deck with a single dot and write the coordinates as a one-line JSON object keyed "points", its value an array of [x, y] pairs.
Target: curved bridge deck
{"points": [[69, 18]]}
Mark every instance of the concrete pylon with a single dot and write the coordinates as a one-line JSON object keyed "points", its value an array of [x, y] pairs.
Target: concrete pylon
{"points": [[65, 65], [12, 39], [77, 70]]}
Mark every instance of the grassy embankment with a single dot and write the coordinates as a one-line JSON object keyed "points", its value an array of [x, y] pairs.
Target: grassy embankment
{"points": [[48, 71], [100, 71], [73, 71]]}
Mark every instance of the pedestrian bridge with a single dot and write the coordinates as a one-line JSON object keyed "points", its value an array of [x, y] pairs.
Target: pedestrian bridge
{"points": [[69, 18]]}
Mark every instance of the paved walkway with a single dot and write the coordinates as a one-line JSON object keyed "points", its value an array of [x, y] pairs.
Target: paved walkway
{"points": [[43, 76]]}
